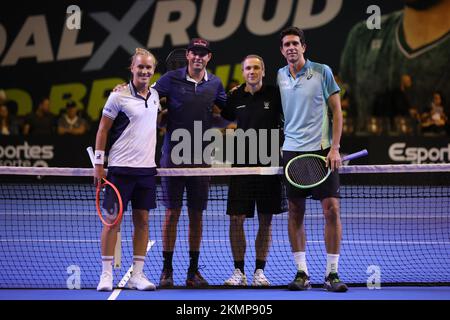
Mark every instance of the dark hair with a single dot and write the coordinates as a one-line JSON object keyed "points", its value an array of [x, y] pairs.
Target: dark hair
{"points": [[293, 31], [441, 95], [71, 104]]}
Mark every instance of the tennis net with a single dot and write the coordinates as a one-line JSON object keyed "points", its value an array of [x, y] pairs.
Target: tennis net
{"points": [[396, 229]]}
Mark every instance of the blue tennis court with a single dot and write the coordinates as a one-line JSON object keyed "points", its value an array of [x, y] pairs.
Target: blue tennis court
{"points": [[396, 236]]}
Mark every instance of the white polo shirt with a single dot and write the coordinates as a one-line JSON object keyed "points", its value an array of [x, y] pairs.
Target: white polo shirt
{"points": [[133, 134]]}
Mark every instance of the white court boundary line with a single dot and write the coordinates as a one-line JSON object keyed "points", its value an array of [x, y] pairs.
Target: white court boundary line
{"points": [[127, 276]]}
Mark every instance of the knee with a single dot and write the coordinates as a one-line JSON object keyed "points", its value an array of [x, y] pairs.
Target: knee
{"points": [[172, 215], [265, 222], [331, 214], [237, 220]]}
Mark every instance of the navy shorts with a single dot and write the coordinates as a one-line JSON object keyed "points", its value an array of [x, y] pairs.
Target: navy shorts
{"points": [[328, 189], [139, 189], [197, 189], [266, 192]]}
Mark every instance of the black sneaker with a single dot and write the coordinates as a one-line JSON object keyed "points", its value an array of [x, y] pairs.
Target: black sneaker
{"points": [[166, 280], [334, 284], [195, 280], [300, 283]]}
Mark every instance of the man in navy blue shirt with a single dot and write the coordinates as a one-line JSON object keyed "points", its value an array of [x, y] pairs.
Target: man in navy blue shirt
{"points": [[191, 93]]}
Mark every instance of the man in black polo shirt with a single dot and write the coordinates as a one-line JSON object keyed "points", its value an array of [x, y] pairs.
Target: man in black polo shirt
{"points": [[253, 106]]}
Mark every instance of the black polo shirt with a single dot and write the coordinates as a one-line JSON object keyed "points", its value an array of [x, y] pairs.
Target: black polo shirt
{"points": [[262, 110]]}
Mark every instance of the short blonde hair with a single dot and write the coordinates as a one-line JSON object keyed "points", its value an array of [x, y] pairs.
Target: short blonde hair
{"points": [[142, 52], [254, 56]]}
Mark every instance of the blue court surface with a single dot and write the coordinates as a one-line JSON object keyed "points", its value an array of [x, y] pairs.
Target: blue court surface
{"points": [[354, 293], [45, 241]]}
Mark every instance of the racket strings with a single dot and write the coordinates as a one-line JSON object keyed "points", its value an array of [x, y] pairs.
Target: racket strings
{"points": [[307, 171], [176, 59], [109, 202]]}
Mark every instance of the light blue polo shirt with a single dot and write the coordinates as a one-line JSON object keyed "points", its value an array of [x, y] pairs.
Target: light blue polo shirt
{"points": [[307, 125]]}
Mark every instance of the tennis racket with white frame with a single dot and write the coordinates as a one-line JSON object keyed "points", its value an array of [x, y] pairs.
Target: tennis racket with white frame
{"points": [[310, 170]]}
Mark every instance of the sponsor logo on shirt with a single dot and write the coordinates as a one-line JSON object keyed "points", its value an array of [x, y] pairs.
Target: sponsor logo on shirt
{"points": [[309, 74], [240, 107], [266, 104]]}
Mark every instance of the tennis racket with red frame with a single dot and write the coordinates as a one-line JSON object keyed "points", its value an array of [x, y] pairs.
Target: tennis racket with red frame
{"points": [[108, 201]]}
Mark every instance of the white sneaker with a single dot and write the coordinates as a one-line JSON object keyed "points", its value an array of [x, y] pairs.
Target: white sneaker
{"points": [[139, 281], [259, 279], [237, 279], [106, 282]]}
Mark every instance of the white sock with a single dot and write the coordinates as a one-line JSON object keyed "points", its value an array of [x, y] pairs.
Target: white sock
{"points": [[107, 262], [300, 261], [138, 264], [332, 263]]}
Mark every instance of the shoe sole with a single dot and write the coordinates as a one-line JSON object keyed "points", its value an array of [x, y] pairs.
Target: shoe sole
{"points": [[166, 284], [235, 285], [104, 289], [340, 289], [196, 286], [297, 288], [146, 289]]}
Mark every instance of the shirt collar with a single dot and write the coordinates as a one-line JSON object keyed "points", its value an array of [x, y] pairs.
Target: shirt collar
{"points": [[134, 91], [188, 77], [303, 70]]}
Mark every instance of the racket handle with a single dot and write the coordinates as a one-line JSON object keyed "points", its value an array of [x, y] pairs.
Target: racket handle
{"points": [[90, 151], [355, 155]]}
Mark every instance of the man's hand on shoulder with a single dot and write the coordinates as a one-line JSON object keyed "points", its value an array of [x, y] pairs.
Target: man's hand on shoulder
{"points": [[120, 87]]}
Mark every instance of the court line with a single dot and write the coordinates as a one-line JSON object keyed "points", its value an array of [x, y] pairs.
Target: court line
{"points": [[127, 276]]}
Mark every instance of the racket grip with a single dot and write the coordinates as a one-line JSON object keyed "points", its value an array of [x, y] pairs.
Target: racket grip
{"points": [[90, 151], [356, 155]]}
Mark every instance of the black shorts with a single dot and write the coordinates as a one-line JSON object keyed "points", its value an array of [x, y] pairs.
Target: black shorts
{"points": [[139, 189], [266, 192], [328, 189]]}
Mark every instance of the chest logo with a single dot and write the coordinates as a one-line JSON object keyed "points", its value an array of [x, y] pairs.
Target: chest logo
{"points": [[266, 104], [240, 107]]}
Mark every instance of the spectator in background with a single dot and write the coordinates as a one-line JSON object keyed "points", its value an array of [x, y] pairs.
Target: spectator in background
{"points": [[434, 120], [41, 121], [71, 122], [395, 102], [395, 106], [2, 97], [8, 124]]}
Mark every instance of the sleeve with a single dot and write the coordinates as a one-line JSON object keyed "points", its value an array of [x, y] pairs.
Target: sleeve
{"points": [[330, 86], [277, 104], [221, 96], [112, 106], [155, 95], [162, 85], [228, 111]]}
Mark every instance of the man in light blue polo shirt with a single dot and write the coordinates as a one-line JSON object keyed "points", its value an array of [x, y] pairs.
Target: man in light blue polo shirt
{"points": [[313, 124]]}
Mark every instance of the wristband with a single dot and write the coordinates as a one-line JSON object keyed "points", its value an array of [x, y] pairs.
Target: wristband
{"points": [[99, 157]]}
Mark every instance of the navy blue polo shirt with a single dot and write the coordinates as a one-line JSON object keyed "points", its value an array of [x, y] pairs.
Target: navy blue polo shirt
{"points": [[187, 102]]}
